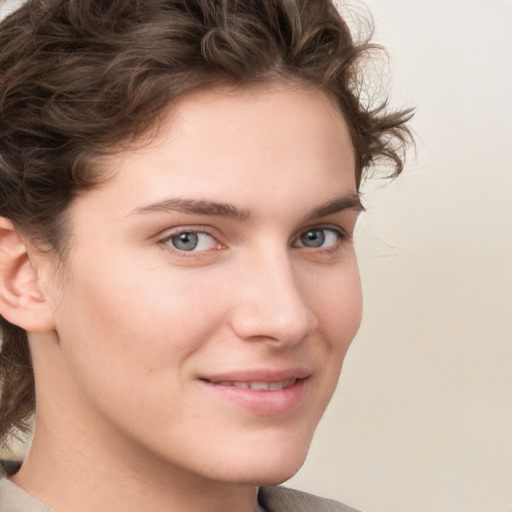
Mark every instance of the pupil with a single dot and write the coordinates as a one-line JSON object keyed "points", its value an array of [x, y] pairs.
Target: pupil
{"points": [[314, 238], [185, 241]]}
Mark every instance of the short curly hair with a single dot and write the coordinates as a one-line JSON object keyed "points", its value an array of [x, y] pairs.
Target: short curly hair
{"points": [[80, 78]]}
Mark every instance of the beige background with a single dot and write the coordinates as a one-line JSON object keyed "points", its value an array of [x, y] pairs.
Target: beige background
{"points": [[422, 420]]}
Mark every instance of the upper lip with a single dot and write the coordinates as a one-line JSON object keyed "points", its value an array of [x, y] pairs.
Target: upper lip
{"points": [[258, 375]]}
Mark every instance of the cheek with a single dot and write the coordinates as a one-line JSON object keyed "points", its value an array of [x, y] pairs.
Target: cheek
{"points": [[338, 307], [132, 324], [337, 304], [130, 342]]}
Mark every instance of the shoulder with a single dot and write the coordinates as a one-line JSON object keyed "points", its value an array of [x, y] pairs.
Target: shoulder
{"points": [[14, 499], [282, 499]]}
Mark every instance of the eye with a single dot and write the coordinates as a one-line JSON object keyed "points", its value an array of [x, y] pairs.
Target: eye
{"points": [[319, 238], [192, 241]]}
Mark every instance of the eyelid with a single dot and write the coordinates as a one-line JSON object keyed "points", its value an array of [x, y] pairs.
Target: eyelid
{"points": [[328, 227], [168, 234], [342, 235]]}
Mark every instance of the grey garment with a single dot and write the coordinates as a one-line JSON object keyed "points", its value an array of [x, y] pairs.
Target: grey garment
{"points": [[14, 499], [271, 499], [282, 499]]}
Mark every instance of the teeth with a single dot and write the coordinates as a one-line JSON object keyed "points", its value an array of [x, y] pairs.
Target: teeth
{"points": [[277, 386], [260, 386]]}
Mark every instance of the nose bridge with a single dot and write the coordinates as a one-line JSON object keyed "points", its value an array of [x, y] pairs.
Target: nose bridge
{"points": [[273, 304]]}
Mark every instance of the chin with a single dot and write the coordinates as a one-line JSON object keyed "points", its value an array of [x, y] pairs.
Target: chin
{"points": [[277, 475], [266, 476], [270, 465]]}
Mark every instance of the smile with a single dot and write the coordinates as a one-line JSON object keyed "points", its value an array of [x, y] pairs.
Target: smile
{"points": [[260, 386], [267, 393]]}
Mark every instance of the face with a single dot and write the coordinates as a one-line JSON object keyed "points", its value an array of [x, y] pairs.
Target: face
{"points": [[212, 290]]}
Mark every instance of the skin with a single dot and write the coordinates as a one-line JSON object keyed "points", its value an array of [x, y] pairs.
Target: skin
{"points": [[136, 333]]}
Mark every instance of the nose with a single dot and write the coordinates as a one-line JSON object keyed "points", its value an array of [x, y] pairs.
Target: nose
{"points": [[271, 304]]}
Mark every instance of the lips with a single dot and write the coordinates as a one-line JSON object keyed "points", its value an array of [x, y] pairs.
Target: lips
{"points": [[264, 392], [268, 376], [260, 386]]}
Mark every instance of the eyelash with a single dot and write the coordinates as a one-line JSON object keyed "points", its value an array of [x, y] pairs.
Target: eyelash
{"points": [[166, 241], [342, 237]]}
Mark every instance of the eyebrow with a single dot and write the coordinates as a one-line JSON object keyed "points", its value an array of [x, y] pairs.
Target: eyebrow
{"points": [[197, 207], [339, 204], [202, 207]]}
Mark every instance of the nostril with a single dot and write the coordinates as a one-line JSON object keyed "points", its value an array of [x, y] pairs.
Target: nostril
{"points": [[277, 323]]}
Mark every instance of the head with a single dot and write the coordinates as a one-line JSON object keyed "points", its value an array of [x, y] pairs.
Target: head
{"points": [[92, 96]]}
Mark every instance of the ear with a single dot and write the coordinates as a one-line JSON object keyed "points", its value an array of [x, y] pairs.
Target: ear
{"points": [[22, 303]]}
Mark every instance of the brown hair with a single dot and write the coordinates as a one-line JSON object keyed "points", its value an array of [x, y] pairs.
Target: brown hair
{"points": [[79, 78]]}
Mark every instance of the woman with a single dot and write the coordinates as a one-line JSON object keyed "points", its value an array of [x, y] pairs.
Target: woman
{"points": [[178, 286]]}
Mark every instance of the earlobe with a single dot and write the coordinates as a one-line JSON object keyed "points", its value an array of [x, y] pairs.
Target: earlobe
{"points": [[22, 302]]}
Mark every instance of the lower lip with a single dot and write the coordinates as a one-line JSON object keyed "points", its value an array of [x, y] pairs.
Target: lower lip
{"points": [[266, 403]]}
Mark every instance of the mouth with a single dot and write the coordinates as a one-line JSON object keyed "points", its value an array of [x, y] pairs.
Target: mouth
{"points": [[262, 392], [259, 385]]}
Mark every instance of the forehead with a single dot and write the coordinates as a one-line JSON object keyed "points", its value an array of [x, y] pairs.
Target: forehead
{"points": [[253, 116], [268, 125], [252, 146]]}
